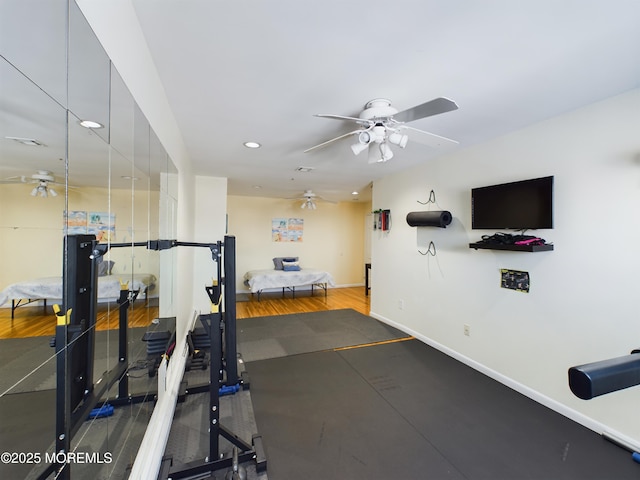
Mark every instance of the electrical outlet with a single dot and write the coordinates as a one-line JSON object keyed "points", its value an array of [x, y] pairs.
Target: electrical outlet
{"points": [[467, 330], [401, 304]]}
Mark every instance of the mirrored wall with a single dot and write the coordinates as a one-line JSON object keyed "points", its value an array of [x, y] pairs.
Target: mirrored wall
{"points": [[110, 181]]}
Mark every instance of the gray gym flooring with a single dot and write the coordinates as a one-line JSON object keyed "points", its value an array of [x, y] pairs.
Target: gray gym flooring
{"points": [[27, 412], [283, 335], [391, 408], [405, 410]]}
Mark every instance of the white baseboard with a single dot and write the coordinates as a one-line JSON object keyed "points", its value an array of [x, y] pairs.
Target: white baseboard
{"points": [[562, 409]]}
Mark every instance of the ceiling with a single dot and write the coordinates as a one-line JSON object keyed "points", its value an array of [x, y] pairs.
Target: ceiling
{"points": [[253, 70]]}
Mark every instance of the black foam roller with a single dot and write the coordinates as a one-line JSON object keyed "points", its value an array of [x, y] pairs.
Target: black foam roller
{"points": [[439, 218], [597, 378]]}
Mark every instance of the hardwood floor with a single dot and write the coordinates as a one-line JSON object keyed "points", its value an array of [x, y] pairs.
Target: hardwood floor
{"points": [[275, 304], [33, 322]]}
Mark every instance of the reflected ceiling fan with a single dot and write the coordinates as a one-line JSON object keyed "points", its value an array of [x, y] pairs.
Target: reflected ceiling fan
{"points": [[381, 125], [42, 181], [309, 200]]}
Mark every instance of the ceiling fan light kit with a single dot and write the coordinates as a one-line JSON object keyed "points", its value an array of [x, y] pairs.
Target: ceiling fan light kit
{"points": [[310, 204], [398, 139], [382, 125], [310, 200], [359, 147], [387, 153], [365, 138], [43, 191], [42, 179]]}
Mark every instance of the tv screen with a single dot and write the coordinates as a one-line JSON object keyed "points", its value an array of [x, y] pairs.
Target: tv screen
{"points": [[523, 205]]}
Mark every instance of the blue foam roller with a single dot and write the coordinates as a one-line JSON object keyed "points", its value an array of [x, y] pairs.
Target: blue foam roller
{"points": [[636, 457]]}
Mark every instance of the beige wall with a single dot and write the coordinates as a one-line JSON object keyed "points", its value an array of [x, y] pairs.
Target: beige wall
{"points": [[30, 235], [333, 236], [31, 231]]}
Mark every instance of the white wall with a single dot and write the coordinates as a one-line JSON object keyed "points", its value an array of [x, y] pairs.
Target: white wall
{"points": [[333, 236], [583, 304], [210, 219], [116, 25]]}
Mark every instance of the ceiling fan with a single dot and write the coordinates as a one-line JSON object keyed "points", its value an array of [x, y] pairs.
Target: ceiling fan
{"points": [[309, 200], [42, 181], [381, 125]]}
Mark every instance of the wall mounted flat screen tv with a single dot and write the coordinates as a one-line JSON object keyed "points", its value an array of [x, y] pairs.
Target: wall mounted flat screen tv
{"points": [[523, 205]]}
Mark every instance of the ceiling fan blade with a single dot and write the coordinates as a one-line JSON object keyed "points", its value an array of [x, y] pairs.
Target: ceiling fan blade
{"points": [[428, 138], [427, 109], [361, 121], [17, 180], [326, 200], [333, 140]]}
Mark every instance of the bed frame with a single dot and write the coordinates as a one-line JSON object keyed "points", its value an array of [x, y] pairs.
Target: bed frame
{"points": [[21, 302], [28, 292], [292, 289], [261, 280]]}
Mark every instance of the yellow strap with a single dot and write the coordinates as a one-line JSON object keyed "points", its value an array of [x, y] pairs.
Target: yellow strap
{"points": [[215, 307], [61, 318]]}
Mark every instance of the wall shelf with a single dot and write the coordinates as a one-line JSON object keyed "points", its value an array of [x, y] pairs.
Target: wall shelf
{"points": [[513, 248]]}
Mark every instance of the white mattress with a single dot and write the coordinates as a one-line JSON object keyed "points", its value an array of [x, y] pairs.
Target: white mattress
{"points": [[258, 280], [51, 287]]}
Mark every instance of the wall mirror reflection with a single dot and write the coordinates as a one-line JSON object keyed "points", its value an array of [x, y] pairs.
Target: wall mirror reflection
{"points": [[112, 182]]}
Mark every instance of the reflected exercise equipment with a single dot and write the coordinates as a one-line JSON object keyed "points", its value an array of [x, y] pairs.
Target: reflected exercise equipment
{"points": [[77, 394]]}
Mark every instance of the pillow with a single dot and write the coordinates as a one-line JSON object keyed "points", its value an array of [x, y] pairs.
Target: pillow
{"points": [[277, 262], [290, 266], [105, 267]]}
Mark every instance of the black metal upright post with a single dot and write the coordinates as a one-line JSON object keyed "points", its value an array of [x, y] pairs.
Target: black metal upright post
{"points": [[231, 349], [75, 339], [123, 349], [63, 395], [221, 322], [215, 324]]}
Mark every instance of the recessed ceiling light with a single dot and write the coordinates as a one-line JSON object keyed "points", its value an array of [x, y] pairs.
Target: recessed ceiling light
{"points": [[354, 193], [129, 177], [90, 124], [304, 169], [257, 187], [252, 144]]}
